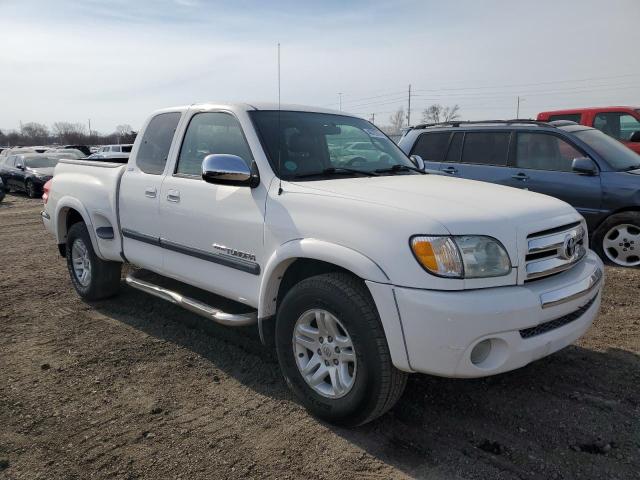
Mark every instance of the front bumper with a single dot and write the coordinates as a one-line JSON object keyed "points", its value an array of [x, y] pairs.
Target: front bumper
{"points": [[441, 329]]}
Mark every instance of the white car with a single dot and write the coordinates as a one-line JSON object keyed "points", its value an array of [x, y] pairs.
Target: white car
{"points": [[357, 276], [112, 152]]}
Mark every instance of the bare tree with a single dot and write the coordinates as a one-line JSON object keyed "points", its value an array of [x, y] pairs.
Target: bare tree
{"points": [[68, 132], [397, 121], [436, 113], [35, 133]]}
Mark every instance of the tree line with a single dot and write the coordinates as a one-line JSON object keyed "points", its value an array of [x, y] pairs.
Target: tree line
{"points": [[33, 133]]}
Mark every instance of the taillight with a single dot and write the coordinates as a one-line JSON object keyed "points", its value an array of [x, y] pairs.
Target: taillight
{"points": [[46, 189]]}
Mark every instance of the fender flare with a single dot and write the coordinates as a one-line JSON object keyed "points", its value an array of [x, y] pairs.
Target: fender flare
{"points": [[67, 203], [311, 248], [375, 278]]}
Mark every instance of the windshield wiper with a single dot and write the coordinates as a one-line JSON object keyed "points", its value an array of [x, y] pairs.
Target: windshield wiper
{"points": [[334, 171], [399, 168]]}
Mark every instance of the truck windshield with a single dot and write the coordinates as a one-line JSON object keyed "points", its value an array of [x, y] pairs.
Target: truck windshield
{"points": [[618, 156], [306, 144]]}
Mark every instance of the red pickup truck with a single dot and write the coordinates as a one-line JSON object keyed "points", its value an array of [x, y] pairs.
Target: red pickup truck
{"points": [[622, 123]]}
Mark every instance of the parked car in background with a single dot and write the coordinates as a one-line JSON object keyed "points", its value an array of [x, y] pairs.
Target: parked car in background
{"points": [[83, 148], [112, 152], [621, 123], [15, 151], [577, 164], [354, 274], [66, 153], [27, 172]]}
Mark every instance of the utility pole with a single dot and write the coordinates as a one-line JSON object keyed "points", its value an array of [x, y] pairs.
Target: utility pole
{"points": [[409, 108], [340, 100], [518, 108], [89, 128], [373, 118]]}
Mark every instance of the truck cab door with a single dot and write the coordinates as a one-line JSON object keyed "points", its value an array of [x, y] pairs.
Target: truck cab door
{"points": [[213, 234], [543, 164], [139, 194]]}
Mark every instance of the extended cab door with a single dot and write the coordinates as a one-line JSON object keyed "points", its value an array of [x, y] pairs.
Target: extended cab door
{"points": [[542, 163], [213, 234], [619, 125], [140, 192]]}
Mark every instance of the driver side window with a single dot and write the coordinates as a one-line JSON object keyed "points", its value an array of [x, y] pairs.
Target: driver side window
{"points": [[211, 133]]}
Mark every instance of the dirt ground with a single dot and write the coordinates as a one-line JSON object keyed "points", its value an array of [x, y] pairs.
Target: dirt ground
{"points": [[137, 388]]}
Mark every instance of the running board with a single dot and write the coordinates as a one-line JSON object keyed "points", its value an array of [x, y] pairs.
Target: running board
{"points": [[195, 306]]}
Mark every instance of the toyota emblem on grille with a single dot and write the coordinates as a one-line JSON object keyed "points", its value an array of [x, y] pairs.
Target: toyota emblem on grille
{"points": [[569, 247]]}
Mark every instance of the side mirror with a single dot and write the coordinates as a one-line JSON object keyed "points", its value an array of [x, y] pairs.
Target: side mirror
{"points": [[20, 167], [635, 136], [584, 165], [417, 161], [226, 169]]}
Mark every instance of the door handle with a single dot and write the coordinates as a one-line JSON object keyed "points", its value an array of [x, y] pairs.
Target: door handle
{"points": [[150, 192], [520, 176], [173, 196], [450, 170]]}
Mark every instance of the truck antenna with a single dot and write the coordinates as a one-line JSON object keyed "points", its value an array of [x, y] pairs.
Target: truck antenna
{"points": [[279, 132]]}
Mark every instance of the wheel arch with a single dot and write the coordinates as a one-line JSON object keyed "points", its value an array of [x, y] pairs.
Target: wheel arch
{"points": [[68, 212], [301, 258]]}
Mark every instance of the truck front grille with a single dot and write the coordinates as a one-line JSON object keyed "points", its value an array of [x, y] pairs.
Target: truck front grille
{"points": [[555, 250], [556, 323]]}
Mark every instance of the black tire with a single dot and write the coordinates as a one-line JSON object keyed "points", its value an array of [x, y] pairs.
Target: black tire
{"points": [[632, 218], [105, 276], [377, 385], [30, 189]]}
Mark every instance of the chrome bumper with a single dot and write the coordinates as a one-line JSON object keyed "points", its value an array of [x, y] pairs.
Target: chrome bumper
{"points": [[573, 291]]}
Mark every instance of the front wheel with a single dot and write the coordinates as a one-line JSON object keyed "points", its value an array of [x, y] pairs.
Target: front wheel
{"points": [[93, 278], [333, 352], [617, 240]]}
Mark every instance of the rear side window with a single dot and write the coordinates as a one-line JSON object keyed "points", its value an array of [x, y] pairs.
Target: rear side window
{"points": [[572, 117], [486, 148], [539, 151], [210, 133], [156, 141], [432, 147], [126, 148]]}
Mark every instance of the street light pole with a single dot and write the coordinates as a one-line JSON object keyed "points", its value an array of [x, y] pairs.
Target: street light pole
{"points": [[340, 100]]}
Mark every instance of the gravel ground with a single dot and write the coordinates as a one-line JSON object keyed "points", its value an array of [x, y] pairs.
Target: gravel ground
{"points": [[137, 388]]}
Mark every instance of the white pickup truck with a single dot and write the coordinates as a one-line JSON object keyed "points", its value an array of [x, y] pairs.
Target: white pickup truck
{"points": [[358, 270]]}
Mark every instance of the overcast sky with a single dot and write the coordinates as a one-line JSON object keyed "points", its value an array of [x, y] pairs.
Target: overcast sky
{"points": [[114, 61]]}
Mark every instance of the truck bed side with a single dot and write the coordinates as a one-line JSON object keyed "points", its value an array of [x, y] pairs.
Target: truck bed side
{"points": [[87, 189]]}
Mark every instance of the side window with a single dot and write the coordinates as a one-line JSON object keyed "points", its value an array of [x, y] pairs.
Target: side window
{"points": [[538, 151], [572, 117], [432, 147], [486, 148], [209, 133], [616, 124], [156, 141], [455, 149]]}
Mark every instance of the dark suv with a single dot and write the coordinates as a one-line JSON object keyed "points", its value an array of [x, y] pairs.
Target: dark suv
{"points": [[597, 175]]}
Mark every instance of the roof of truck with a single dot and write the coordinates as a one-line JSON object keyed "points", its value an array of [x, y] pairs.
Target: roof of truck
{"points": [[253, 106]]}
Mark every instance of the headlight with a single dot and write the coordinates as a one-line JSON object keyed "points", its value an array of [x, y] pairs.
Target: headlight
{"points": [[464, 256]]}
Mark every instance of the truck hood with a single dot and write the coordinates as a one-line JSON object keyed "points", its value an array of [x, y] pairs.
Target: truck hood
{"points": [[461, 206]]}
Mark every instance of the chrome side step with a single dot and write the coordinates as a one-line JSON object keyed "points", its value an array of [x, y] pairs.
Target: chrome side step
{"points": [[195, 306]]}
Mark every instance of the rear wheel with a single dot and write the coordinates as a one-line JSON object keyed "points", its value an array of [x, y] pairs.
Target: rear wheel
{"points": [[30, 189], [333, 352], [93, 278], [617, 240]]}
